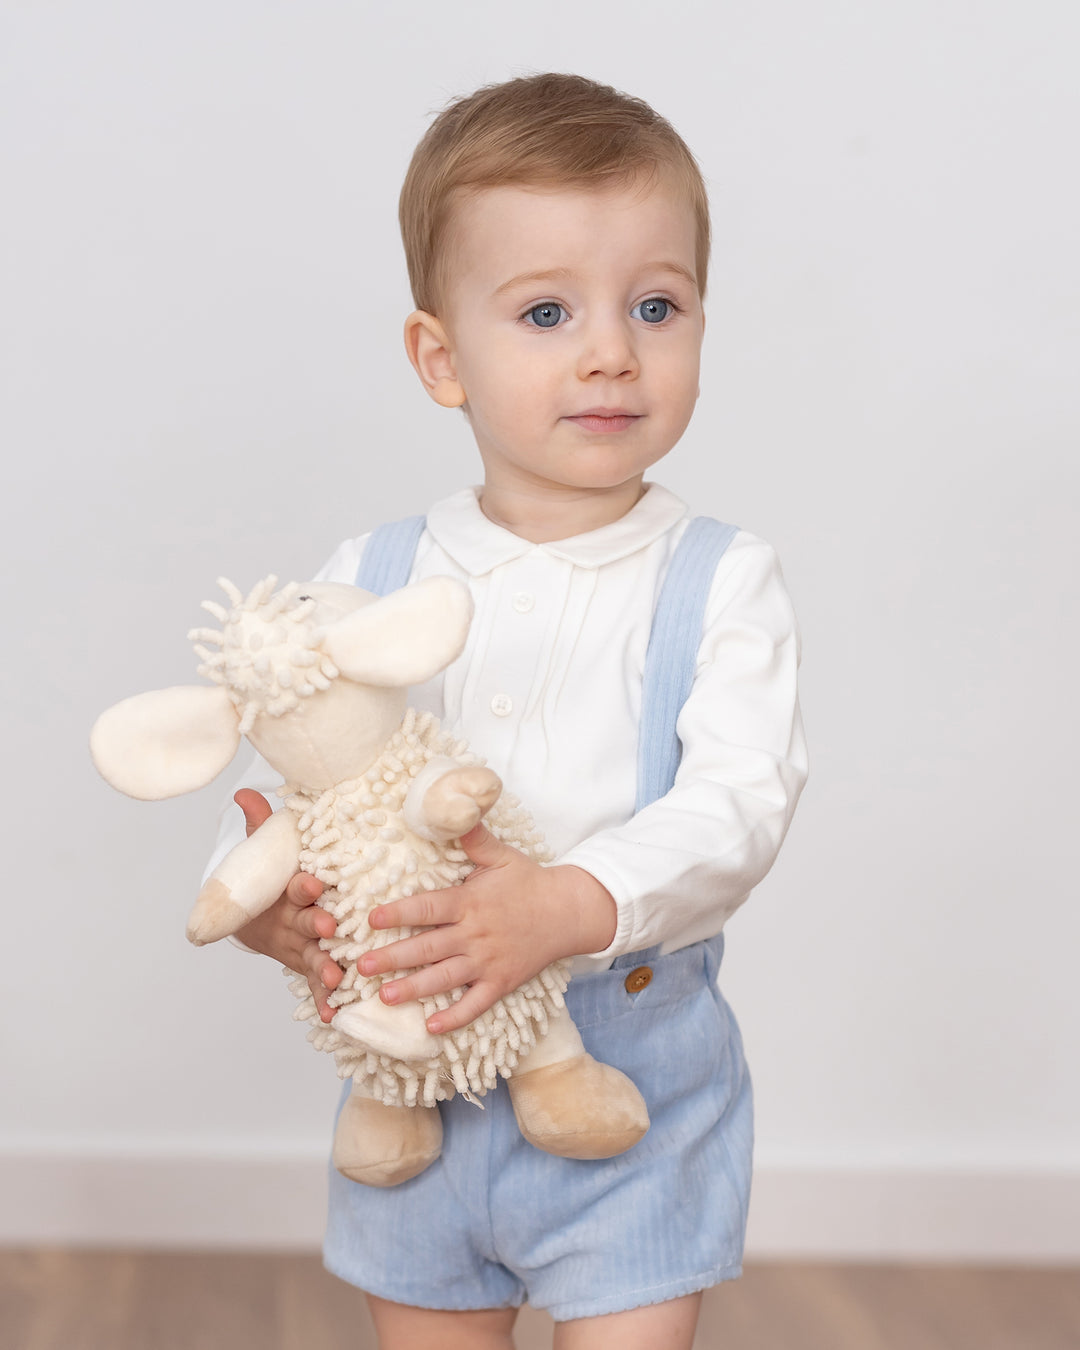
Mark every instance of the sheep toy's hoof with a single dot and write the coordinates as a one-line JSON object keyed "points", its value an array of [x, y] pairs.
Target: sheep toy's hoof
{"points": [[579, 1108], [216, 914], [400, 1031], [380, 1145], [457, 801]]}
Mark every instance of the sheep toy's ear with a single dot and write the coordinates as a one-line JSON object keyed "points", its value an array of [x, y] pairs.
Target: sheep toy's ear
{"points": [[405, 638], [166, 742]]}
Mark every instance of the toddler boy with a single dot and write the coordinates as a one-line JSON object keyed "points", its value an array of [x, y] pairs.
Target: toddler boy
{"points": [[557, 238]]}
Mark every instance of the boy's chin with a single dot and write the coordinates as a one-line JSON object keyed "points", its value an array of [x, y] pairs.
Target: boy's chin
{"points": [[608, 474], [598, 468]]}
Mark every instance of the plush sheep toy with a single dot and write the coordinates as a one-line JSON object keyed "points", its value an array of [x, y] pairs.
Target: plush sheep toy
{"points": [[376, 799]]}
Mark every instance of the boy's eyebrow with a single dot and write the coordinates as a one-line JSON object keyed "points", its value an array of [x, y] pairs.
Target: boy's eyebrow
{"points": [[553, 274], [677, 268], [567, 273]]}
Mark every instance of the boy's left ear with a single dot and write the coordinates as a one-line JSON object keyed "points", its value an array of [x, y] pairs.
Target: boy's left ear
{"points": [[427, 345]]}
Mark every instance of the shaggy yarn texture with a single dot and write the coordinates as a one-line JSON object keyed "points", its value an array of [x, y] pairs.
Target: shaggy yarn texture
{"points": [[356, 842], [269, 655]]}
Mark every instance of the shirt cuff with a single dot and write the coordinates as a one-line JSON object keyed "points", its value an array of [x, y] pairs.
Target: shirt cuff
{"points": [[624, 907]]}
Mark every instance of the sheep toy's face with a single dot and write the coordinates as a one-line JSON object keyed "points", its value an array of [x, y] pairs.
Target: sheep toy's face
{"points": [[311, 723], [331, 737], [315, 676], [271, 654]]}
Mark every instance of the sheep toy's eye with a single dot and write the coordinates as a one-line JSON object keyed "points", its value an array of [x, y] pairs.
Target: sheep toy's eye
{"points": [[304, 597]]}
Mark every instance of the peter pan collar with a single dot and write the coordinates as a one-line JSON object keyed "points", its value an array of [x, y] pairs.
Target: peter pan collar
{"points": [[478, 545]]}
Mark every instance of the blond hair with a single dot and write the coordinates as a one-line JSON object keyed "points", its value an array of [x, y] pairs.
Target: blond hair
{"points": [[543, 131]]}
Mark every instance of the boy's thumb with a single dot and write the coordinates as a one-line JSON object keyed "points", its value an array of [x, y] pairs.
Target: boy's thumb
{"points": [[255, 807], [483, 848]]}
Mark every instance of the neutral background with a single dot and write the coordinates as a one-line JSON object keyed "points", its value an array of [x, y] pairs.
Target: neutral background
{"points": [[203, 291]]}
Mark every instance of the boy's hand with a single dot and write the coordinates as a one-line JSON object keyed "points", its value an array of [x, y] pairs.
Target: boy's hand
{"points": [[509, 919], [290, 929]]}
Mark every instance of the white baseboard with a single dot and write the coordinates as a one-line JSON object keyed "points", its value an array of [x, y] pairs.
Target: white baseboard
{"points": [[278, 1203], [866, 1214]]}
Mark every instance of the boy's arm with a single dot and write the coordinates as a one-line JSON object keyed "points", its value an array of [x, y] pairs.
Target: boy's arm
{"points": [[678, 868]]}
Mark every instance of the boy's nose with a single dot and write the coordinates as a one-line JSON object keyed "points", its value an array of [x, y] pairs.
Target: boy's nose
{"points": [[607, 349]]}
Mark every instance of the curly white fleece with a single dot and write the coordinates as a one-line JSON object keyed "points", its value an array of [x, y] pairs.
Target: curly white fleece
{"points": [[357, 842]]}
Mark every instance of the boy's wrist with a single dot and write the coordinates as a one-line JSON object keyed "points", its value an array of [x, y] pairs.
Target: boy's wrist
{"points": [[592, 917]]}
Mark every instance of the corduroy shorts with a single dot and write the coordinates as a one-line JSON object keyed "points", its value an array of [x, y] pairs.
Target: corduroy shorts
{"points": [[495, 1222]]}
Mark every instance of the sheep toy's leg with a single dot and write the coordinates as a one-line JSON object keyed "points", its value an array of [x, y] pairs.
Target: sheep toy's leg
{"points": [[247, 881], [380, 1145], [569, 1104]]}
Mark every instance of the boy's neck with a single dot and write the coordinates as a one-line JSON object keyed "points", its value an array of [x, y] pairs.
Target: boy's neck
{"points": [[542, 516]]}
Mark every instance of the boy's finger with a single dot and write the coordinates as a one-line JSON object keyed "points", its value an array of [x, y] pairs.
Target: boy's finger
{"points": [[313, 922], [303, 890], [426, 910], [477, 999], [319, 994], [438, 979], [321, 969], [255, 807], [433, 944]]}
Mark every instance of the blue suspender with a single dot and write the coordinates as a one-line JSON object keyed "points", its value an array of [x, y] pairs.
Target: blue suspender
{"points": [[388, 556], [670, 666], [670, 659]]}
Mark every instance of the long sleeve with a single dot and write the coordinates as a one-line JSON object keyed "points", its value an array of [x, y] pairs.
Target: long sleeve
{"points": [[681, 866]]}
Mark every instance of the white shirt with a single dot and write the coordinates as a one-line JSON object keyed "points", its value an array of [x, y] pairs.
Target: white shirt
{"points": [[548, 690]]}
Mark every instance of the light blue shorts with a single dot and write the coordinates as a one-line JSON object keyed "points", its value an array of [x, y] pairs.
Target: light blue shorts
{"points": [[495, 1222]]}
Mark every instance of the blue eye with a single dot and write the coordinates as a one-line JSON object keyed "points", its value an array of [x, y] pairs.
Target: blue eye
{"points": [[654, 310], [546, 316]]}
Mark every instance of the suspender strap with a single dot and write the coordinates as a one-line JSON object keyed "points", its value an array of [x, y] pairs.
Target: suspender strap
{"points": [[671, 657], [670, 665], [388, 556]]}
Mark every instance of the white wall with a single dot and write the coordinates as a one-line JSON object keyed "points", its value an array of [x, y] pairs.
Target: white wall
{"points": [[203, 290]]}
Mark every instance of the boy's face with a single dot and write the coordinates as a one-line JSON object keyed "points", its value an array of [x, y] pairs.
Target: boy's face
{"points": [[572, 328]]}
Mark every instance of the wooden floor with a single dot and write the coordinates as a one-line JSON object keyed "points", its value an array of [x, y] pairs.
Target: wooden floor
{"points": [[64, 1300]]}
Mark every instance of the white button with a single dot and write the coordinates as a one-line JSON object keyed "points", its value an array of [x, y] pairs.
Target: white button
{"points": [[523, 602], [501, 705]]}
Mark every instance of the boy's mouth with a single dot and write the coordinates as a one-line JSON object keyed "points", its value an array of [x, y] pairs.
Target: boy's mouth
{"points": [[604, 419]]}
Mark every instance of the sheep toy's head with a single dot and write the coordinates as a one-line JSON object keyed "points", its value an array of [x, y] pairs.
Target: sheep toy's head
{"points": [[314, 675]]}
